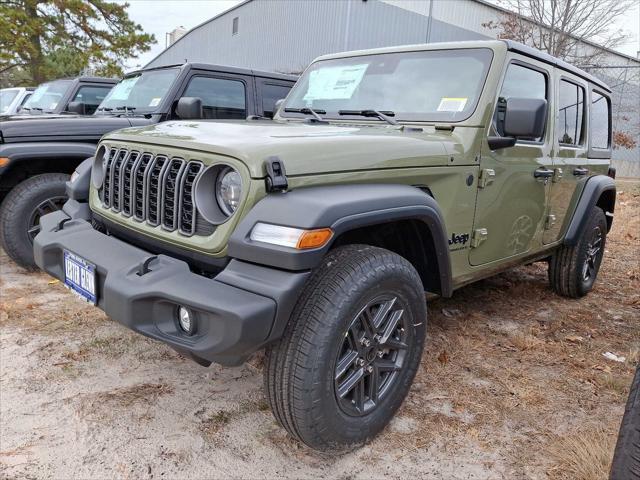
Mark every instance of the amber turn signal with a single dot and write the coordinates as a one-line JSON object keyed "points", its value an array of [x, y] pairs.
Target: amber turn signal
{"points": [[4, 161], [314, 238]]}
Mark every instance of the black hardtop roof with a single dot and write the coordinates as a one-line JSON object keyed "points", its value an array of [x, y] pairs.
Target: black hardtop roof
{"points": [[222, 69], [88, 79], [545, 57]]}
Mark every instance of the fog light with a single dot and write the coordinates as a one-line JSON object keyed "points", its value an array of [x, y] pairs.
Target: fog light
{"points": [[186, 320]]}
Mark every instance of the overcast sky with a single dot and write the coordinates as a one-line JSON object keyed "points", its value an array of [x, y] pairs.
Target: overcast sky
{"points": [[162, 16]]}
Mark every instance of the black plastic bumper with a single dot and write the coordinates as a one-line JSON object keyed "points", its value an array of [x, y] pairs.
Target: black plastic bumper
{"points": [[240, 310]]}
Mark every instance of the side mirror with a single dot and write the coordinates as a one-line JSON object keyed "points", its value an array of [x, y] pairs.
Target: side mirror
{"points": [[277, 105], [76, 107], [524, 118], [189, 108]]}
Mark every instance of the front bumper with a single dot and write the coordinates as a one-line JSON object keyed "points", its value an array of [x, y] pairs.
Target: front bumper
{"points": [[239, 311]]}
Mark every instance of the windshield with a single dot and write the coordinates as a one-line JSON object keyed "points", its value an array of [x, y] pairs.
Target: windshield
{"points": [[6, 97], [436, 85], [47, 96], [142, 92]]}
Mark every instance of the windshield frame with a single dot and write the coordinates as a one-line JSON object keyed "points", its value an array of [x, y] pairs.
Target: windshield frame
{"points": [[334, 116], [61, 103], [148, 110]]}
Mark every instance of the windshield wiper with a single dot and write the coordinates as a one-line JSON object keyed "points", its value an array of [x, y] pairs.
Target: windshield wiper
{"points": [[384, 115], [308, 111]]}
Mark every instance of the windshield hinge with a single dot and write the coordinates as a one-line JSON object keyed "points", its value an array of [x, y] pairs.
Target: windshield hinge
{"points": [[276, 175]]}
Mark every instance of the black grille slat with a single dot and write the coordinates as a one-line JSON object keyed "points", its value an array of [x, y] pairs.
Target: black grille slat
{"points": [[170, 198], [127, 186], [158, 190], [116, 174], [187, 220], [107, 168], [139, 193], [156, 172]]}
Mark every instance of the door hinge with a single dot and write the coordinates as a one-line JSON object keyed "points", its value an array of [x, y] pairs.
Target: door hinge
{"points": [[549, 222], [486, 177], [479, 236], [276, 175]]}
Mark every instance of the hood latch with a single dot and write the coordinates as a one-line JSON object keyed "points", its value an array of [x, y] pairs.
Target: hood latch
{"points": [[276, 175]]}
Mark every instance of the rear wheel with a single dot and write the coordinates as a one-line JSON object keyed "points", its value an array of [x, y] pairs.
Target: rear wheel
{"points": [[350, 351], [21, 211], [573, 269]]}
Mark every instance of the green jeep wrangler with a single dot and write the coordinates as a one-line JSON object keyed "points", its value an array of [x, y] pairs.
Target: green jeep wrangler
{"points": [[385, 173]]}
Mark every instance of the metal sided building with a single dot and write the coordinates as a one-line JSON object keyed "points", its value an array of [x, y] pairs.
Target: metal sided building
{"points": [[286, 35]]}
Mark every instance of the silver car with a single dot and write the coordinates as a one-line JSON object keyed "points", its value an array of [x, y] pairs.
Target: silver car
{"points": [[12, 99]]}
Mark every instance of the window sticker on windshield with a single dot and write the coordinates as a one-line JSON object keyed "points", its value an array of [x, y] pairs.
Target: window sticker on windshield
{"points": [[448, 104], [122, 90], [334, 82], [53, 105], [38, 94], [155, 102]]}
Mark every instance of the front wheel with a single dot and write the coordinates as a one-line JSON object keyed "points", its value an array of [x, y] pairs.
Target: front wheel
{"points": [[350, 351], [21, 211]]}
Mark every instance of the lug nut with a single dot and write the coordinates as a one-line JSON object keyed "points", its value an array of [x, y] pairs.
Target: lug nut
{"points": [[369, 369], [380, 354], [366, 342], [361, 361]]}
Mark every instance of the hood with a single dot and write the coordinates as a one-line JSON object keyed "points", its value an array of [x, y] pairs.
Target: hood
{"points": [[19, 128], [305, 148]]}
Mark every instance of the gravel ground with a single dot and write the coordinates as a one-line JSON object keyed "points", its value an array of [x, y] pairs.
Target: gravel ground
{"points": [[513, 384]]}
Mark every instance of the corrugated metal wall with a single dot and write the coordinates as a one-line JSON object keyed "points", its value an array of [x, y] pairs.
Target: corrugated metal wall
{"points": [[285, 35]]}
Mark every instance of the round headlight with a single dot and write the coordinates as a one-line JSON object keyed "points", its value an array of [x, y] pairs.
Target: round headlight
{"points": [[228, 190]]}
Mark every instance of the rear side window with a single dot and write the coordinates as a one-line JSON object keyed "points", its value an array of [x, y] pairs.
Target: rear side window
{"points": [[270, 95], [570, 113], [519, 82], [91, 96], [221, 98], [600, 121]]}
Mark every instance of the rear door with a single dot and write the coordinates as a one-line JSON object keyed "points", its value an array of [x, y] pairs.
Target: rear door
{"points": [[570, 152], [511, 202]]}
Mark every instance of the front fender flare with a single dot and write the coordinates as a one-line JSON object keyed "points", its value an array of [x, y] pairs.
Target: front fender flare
{"points": [[342, 208]]}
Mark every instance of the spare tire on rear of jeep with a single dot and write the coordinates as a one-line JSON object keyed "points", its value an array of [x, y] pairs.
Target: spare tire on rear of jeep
{"points": [[351, 349]]}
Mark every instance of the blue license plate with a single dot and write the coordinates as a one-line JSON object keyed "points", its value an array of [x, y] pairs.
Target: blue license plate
{"points": [[80, 276]]}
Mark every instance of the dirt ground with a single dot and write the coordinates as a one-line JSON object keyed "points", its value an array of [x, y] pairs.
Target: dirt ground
{"points": [[513, 384]]}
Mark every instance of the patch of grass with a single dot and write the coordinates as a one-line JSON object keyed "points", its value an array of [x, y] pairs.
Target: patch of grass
{"points": [[212, 424], [584, 455], [615, 384]]}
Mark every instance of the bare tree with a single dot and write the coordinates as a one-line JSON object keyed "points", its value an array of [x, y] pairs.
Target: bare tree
{"points": [[562, 27]]}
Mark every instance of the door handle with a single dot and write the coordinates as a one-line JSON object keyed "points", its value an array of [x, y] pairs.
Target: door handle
{"points": [[544, 173], [578, 172]]}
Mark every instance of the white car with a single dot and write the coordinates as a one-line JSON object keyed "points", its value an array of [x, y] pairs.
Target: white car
{"points": [[12, 99]]}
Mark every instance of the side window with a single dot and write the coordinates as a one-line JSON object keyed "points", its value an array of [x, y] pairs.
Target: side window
{"points": [[221, 98], [570, 113], [270, 95], [600, 121], [91, 96], [519, 82]]}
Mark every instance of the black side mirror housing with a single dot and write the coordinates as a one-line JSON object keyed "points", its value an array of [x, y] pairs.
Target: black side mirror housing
{"points": [[77, 107], [525, 117], [189, 108]]}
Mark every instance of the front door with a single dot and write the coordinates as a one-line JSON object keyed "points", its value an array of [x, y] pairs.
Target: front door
{"points": [[570, 153], [514, 182]]}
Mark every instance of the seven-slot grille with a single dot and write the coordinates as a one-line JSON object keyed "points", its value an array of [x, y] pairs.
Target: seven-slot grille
{"points": [[156, 189]]}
